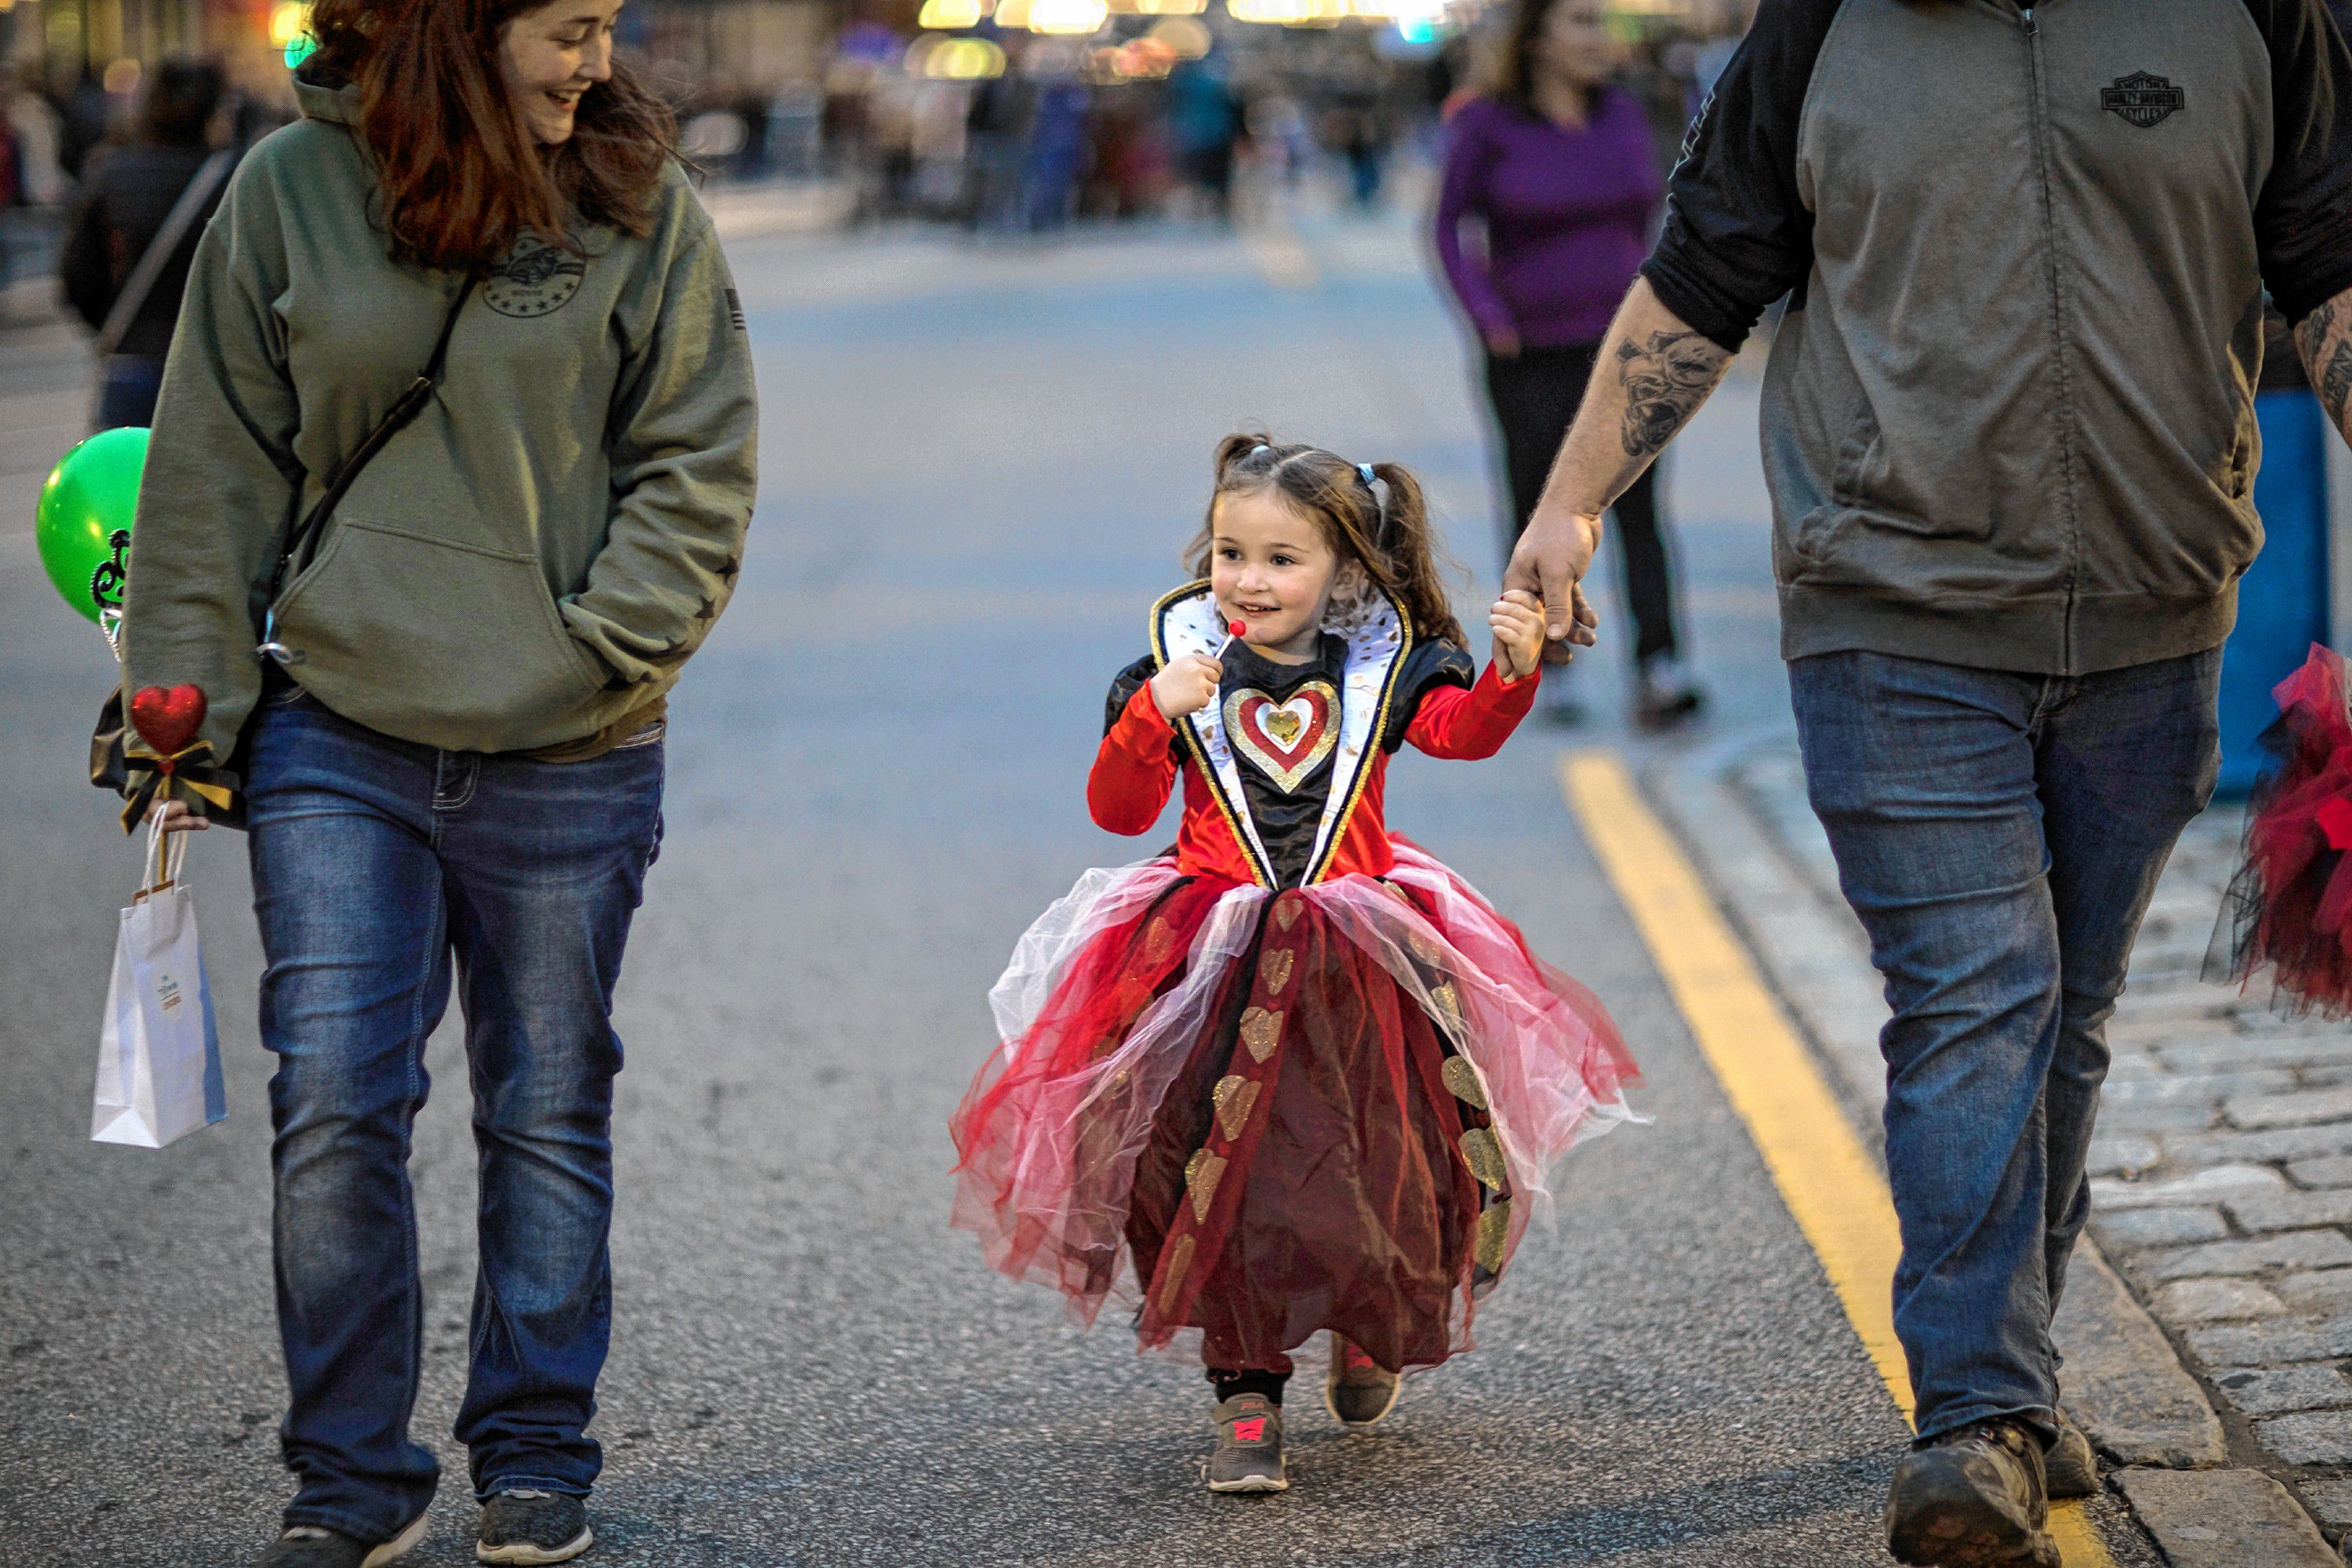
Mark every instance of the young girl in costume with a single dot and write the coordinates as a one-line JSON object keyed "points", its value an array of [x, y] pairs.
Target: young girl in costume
{"points": [[1293, 1075]]}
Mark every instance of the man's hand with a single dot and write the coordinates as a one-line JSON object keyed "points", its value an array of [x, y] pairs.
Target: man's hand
{"points": [[1518, 624], [1550, 564], [1186, 686]]}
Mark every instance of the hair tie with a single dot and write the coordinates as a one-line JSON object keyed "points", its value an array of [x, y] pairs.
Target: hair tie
{"points": [[1380, 509], [1261, 446]]}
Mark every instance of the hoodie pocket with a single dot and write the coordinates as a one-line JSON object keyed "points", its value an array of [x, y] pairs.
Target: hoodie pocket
{"points": [[458, 646]]}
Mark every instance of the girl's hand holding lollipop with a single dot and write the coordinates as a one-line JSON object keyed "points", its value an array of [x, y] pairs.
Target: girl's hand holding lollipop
{"points": [[1517, 621], [1190, 684]]}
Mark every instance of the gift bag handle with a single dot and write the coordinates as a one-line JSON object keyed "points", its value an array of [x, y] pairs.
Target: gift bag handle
{"points": [[166, 853]]}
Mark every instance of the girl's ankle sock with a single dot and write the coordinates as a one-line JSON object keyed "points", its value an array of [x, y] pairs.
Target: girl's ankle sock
{"points": [[1229, 1384]]}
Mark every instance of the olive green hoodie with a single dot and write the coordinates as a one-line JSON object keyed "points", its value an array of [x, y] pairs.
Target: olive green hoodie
{"points": [[528, 561]]}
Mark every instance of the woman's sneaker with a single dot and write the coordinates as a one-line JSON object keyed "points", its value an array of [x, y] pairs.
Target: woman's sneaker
{"points": [[1249, 1446], [1358, 1390], [1973, 1498], [313, 1546], [526, 1525]]}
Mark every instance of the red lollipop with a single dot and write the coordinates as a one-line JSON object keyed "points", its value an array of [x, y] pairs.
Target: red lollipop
{"points": [[1234, 629]]}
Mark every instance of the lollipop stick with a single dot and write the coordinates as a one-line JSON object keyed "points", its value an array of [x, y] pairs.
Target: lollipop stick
{"points": [[1234, 629]]}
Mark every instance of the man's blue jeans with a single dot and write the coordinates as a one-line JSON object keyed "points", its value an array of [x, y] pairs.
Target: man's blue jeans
{"points": [[1999, 835], [375, 863]]}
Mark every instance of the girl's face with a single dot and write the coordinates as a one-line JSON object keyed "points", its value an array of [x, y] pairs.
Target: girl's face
{"points": [[550, 56], [1575, 44], [1270, 570]]}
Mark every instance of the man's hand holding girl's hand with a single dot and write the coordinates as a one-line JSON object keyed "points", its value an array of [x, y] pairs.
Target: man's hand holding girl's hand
{"points": [[1187, 685], [1518, 619]]}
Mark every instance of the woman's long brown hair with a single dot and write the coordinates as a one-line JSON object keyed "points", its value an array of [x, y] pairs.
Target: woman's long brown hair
{"points": [[462, 179], [1390, 540], [1510, 73]]}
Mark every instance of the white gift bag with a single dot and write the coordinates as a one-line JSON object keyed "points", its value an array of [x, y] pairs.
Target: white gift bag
{"points": [[159, 1067]]}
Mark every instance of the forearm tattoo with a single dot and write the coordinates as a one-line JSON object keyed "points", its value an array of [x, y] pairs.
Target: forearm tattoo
{"points": [[2325, 337], [1665, 379]]}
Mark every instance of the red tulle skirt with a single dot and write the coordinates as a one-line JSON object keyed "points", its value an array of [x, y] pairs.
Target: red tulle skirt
{"points": [[1253, 1116], [2288, 916]]}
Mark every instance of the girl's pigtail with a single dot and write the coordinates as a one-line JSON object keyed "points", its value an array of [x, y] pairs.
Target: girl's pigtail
{"points": [[1414, 575], [1233, 448]]}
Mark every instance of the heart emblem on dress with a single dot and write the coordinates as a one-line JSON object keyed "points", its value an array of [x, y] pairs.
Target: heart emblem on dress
{"points": [[1285, 741]]}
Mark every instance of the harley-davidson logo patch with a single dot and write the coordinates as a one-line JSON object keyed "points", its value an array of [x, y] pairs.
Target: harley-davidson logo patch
{"points": [[2143, 99], [1289, 741]]}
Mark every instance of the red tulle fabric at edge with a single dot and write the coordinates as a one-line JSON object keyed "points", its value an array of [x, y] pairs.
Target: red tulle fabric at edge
{"points": [[2289, 904]]}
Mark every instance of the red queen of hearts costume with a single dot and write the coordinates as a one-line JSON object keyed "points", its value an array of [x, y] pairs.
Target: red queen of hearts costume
{"points": [[1294, 1074]]}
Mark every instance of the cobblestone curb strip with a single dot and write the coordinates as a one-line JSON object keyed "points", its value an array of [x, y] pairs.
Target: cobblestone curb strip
{"points": [[2222, 1177]]}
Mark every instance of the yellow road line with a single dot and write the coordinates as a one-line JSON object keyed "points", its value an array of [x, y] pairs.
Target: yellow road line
{"points": [[1831, 1183]]}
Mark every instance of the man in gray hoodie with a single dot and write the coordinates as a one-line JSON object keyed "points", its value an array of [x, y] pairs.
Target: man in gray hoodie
{"points": [[2008, 431]]}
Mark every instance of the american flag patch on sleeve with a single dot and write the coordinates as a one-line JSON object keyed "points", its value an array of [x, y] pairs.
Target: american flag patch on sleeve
{"points": [[735, 308]]}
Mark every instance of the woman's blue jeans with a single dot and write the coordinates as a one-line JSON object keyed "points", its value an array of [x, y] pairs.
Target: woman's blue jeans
{"points": [[1999, 835], [381, 868]]}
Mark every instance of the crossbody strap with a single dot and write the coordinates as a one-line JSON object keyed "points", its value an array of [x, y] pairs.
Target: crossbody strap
{"points": [[162, 249], [302, 540]]}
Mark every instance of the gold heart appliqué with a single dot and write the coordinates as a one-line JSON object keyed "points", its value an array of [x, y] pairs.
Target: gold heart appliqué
{"points": [[1288, 741]]}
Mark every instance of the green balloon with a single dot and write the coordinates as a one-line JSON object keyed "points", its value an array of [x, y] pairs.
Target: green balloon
{"points": [[82, 527]]}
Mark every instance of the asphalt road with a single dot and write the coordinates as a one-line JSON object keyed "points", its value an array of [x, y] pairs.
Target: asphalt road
{"points": [[979, 467]]}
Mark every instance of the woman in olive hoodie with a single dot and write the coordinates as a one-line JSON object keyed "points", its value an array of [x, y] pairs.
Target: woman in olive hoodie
{"points": [[454, 746]]}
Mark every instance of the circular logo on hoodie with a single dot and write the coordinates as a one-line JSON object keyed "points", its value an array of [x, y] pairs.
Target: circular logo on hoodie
{"points": [[534, 279]]}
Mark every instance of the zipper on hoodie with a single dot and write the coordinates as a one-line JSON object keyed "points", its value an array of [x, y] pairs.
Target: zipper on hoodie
{"points": [[2066, 404]]}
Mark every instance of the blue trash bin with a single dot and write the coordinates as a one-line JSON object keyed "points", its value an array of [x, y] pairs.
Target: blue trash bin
{"points": [[2282, 600]]}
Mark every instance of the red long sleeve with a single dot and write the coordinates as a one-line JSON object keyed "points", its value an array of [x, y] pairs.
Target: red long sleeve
{"points": [[1467, 725], [1135, 770]]}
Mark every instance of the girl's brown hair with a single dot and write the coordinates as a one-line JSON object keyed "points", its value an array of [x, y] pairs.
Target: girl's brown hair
{"points": [[1390, 538], [462, 179]]}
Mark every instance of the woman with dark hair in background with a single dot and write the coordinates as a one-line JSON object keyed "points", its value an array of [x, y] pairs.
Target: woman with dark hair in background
{"points": [[1556, 167], [476, 261], [126, 256]]}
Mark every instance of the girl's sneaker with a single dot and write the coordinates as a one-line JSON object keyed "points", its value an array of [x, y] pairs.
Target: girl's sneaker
{"points": [[1358, 1390], [1249, 1446]]}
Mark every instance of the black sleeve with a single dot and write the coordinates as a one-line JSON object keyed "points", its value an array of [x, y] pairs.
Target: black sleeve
{"points": [[1737, 237], [1125, 685], [1427, 665], [2303, 219]]}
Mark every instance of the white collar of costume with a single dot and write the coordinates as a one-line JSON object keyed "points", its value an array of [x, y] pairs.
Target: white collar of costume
{"points": [[1378, 633]]}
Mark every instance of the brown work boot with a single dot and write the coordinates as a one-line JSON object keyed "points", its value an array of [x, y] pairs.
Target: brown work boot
{"points": [[1249, 1446], [1358, 1390], [1975, 1497], [2070, 1468]]}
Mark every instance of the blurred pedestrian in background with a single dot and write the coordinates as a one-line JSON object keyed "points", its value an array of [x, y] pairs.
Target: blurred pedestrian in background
{"points": [[133, 233], [1555, 166], [1205, 123]]}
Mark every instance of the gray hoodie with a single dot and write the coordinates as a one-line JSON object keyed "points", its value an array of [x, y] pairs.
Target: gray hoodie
{"points": [[2009, 418]]}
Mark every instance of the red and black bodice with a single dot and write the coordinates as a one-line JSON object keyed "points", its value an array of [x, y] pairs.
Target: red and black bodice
{"points": [[1282, 725]]}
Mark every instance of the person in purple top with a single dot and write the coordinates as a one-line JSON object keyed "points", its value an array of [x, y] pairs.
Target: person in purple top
{"points": [[1556, 167]]}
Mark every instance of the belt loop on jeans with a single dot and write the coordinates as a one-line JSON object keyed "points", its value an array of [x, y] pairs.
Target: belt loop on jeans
{"points": [[453, 776]]}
